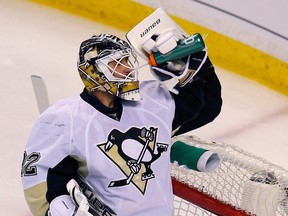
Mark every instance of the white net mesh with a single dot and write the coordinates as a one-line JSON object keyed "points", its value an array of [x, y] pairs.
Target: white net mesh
{"points": [[242, 180]]}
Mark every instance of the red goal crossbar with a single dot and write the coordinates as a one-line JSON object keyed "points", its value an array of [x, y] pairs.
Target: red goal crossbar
{"points": [[205, 201]]}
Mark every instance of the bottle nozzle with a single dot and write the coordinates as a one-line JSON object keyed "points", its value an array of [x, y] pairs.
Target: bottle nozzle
{"points": [[152, 60]]}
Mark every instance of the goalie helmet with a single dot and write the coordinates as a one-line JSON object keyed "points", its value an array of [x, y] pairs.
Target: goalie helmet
{"points": [[99, 57]]}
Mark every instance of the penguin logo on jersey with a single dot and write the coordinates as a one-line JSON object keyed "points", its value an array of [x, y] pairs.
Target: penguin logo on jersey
{"points": [[133, 152]]}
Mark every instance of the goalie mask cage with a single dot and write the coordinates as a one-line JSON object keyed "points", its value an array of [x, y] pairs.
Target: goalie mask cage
{"points": [[243, 184]]}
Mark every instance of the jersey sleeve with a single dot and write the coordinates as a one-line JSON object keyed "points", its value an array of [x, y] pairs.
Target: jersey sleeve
{"points": [[200, 102], [47, 146]]}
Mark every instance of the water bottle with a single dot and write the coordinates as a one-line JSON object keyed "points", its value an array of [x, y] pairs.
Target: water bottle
{"points": [[185, 47]]}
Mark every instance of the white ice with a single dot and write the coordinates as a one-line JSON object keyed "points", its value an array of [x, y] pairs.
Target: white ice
{"points": [[43, 41]]}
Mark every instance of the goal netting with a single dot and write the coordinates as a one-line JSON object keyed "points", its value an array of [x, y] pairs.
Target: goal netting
{"points": [[243, 184]]}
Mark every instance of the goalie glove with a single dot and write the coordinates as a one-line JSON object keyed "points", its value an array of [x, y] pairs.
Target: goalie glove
{"points": [[96, 206], [179, 72], [77, 204], [62, 206], [78, 198], [175, 60], [74, 205]]}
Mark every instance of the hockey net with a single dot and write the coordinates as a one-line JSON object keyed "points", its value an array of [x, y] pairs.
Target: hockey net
{"points": [[243, 184]]}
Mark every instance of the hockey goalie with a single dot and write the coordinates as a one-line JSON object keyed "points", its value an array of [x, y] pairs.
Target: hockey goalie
{"points": [[107, 150]]}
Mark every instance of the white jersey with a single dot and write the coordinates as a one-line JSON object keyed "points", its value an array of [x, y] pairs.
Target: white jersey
{"points": [[123, 152], [107, 150]]}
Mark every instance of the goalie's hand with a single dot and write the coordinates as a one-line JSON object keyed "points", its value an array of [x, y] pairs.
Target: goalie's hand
{"points": [[75, 204], [162, 43], [180, 72]]}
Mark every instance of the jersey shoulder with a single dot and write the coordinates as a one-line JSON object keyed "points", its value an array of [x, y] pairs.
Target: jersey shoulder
{"points": [[153, 92], [153, 87], [64, 107]]}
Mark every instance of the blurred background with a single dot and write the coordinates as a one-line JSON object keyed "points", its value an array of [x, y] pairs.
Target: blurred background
{"points": [[247, 41]]}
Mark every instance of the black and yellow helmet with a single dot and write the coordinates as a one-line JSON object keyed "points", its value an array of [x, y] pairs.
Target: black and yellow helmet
{"points": [[94, 56]]}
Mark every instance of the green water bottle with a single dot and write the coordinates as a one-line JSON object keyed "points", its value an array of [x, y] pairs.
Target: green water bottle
{"points": [[185, 47]]}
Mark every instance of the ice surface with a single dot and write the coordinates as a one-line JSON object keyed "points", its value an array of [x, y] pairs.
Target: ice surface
{"points": [[42, 41]]}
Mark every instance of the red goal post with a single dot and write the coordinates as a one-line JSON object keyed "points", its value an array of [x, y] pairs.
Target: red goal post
{"points": [[204, 201], [242, 185]]}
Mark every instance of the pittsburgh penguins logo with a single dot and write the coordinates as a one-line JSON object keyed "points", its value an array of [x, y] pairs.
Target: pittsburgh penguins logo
{"points": [[133, 152]]}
